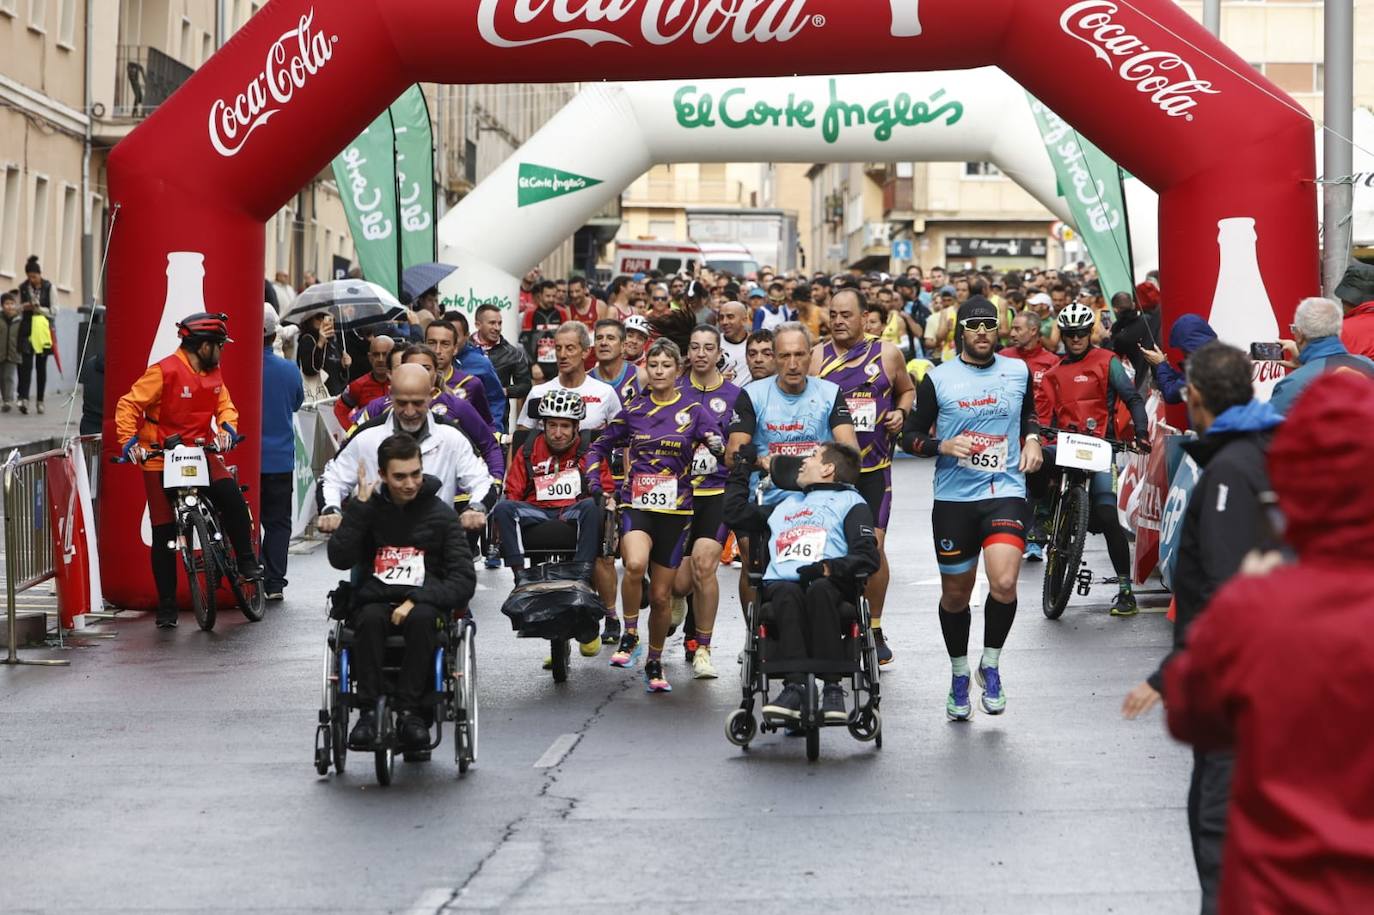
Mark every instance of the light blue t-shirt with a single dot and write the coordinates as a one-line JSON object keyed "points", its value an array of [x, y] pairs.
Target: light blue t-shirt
{"points": [[985, 402]]}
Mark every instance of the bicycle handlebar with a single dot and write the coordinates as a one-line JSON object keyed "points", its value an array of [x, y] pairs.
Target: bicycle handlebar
{"points": [[1117, 444], [175, 441]]}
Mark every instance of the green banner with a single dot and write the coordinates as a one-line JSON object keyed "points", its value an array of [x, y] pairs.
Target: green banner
{"points": [[537, 183], [1090, 182], [366, 175], [414, 176]]}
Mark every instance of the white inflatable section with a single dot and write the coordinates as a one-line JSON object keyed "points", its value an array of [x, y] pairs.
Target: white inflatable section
{"points": [[612, 133]]}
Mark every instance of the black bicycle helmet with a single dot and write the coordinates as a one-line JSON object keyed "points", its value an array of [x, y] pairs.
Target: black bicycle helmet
{"points": [[205, 327]]}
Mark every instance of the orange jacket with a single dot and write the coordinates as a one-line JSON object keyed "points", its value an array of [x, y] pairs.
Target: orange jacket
{"points": [[192, 400]]}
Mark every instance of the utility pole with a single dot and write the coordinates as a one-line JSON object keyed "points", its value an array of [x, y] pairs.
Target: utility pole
{"points": [[1338, 157], [1211, 16]]}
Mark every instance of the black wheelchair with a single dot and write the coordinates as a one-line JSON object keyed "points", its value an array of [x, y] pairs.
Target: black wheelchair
{"points": [[758, 671], [557, 600], [454, 698]]}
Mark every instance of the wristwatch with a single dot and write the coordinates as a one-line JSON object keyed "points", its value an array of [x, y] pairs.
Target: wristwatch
{"points": [[1034, 436]]}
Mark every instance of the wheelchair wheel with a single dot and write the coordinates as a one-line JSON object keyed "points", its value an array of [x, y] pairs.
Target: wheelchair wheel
{"points": [[202, 575], [562, 650], [740, 728], [867, 726], [386, 766], [813, 743], [339, 724], [465, 695], [324, 734]]}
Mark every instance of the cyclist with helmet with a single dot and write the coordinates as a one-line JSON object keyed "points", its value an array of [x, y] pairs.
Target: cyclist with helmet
{"points": [[637, 336], [184, 395], [1090, 392], [975, 413], [547, 481]]}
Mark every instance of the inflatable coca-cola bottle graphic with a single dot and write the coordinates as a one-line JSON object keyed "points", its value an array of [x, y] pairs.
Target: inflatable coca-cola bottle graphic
{"points": [[185, 297], [1241, 310], [906, 18]]}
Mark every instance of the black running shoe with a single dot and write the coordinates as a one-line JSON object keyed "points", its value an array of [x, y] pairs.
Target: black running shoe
{"points": [[787, 705], [611, 634], [166, 615], [413, 733], [832, 703], [880, 642], [364, 733]]}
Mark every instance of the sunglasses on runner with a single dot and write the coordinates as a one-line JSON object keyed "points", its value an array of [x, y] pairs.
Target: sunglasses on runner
{"points": [[1075, 334], [979, 325], [660, 298]]}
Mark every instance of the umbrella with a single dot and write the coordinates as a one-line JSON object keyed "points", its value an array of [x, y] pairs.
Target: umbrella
{"points": [[353, 303], [421, 278]]}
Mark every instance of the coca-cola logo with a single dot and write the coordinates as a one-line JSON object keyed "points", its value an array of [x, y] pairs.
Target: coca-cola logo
{"points": [[291, 60], [660, 22], [1169, 80]]}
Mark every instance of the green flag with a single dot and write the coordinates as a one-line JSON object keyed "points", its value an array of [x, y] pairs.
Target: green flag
{"points": [[366, 175], [537, 183], [414, 176], [1090, 183]]}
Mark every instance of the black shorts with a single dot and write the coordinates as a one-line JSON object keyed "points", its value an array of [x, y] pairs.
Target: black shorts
{"points": [[876, 488], [708, 520], [963, 529], [667, 534]]}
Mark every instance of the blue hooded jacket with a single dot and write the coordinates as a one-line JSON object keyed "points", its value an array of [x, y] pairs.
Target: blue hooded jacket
{"points": [[1325, 354], [1190, 333]]}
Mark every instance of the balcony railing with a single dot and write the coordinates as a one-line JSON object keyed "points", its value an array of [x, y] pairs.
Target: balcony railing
{"points": [[687, 191], [145, 78]]}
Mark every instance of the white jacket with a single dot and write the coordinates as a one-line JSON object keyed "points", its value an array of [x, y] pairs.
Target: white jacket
{"points": [[445, 452]]}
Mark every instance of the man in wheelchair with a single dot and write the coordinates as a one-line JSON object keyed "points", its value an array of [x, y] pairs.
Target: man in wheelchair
{"points": [[820, 540], [418, 569], [547, 481]]}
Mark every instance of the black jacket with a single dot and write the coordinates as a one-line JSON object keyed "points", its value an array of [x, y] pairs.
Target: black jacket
{"points": [[512, 368], [748, 517], [1224, 521], [426, 524]]}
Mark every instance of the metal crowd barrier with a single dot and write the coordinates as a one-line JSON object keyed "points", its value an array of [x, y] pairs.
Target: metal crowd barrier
{"points": [[28, 539]]}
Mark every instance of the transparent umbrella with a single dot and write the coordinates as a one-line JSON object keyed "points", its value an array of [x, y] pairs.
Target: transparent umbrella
{"points": [[353, 303]]}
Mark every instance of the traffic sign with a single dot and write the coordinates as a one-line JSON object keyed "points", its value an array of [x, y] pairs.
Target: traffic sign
{"points": [[901, 249]]}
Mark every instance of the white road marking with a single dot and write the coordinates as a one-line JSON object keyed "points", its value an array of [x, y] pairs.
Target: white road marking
{"points": [[430, 901], [557, 750]]}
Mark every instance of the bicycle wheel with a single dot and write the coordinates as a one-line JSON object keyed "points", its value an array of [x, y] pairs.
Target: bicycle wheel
{"points": [[202, 571], [248, 594], [1065, 550]]}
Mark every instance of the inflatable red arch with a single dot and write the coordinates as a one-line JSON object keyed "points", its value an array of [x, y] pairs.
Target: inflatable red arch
{"points": [[204, 173]]}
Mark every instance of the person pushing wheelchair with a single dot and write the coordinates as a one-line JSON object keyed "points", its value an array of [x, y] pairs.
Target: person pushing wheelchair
{"points": [[820, 540], [417, 569]]}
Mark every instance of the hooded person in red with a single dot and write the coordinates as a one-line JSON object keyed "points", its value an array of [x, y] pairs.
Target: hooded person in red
{"points": [[1281, 668], [1356, 293]]}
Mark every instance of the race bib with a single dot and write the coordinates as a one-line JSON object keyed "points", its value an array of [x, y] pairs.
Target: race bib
{"points": [[792, 449], [703, 462], [557, 487], [653, 491], [864, 413], [545, 350], [989, 453], [801, 544], [400, 565]]}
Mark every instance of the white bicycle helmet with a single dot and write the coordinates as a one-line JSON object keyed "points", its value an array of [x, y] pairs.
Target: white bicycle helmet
{"points": [[560, 403], [638, 323], [1076, 316]]}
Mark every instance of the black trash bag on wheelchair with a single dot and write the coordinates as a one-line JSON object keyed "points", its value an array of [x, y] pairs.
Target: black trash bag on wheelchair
{"points": [[556, 602]]}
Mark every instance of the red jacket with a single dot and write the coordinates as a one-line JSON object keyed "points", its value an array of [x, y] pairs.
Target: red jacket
{"points": [[535, 466], [1357, 333], [1075, 395], [357, 395], [1281, 668], [1039, 363]]}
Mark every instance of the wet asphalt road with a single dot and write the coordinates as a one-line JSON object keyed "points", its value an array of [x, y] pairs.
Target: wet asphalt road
{"points": [[173, 772]]}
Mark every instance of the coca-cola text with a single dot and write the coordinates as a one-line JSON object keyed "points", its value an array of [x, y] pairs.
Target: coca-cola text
{"points": [[295, 57], [660, 22], [1152, 71]]}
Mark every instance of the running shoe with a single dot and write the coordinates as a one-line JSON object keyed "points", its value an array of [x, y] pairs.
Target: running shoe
{"points": [[654, 681], [611, 634], [1034, 553], [832, 703], [957, 706], [994, 699], [884, 653], [1124, 605], [629, 651], [702, 668], [787, 705], [590, 649]]}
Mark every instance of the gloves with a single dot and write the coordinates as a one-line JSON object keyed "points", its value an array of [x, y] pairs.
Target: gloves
{"points": [[1143, 443], [809, 573]]}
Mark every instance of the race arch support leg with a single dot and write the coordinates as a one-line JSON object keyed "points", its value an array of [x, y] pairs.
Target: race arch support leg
{"points": [[147, 242]]}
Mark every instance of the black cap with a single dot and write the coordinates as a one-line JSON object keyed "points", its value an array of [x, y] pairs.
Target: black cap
{"points": [[1357, 286], [977, 307]]}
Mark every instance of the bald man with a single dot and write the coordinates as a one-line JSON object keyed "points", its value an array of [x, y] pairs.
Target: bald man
{"points": [[445, 452], [733, 322]]}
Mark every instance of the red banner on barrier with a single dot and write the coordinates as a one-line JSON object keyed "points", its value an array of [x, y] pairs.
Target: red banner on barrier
{"points": [[68, 526]]}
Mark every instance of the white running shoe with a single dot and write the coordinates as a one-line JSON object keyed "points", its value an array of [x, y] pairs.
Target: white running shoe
{"points": [[702, 668]]}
